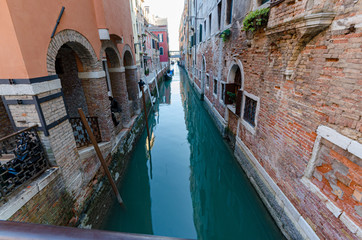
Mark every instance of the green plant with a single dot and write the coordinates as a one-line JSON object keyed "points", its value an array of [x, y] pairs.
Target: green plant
{"points": [[147, 71], [256, 19], [232, 96], [225, 35]]}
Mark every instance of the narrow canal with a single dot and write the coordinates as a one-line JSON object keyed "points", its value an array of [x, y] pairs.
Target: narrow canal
{"points": [[189, 185]]}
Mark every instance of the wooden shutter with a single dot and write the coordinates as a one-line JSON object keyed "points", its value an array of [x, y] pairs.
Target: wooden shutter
{"points": [[239, 99], [229, 87]]}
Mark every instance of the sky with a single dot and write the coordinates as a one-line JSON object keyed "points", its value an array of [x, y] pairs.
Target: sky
{"points": [[172, 10]]}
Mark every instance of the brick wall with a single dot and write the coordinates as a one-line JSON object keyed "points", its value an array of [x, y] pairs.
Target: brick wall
{"points": [[52, 205], [95, 91], [323, 88], [119, 89], [338, 176], [132, 89]]}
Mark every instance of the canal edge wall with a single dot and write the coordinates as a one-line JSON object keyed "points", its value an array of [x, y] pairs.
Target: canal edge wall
{"points": [[286, 216], [100, 203]]}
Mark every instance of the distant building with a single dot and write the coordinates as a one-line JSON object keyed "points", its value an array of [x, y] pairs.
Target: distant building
{"points": [[162, 34]]}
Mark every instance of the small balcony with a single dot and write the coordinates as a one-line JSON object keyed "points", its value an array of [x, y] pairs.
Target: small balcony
{"points": [[22, 159], [80, 134]]}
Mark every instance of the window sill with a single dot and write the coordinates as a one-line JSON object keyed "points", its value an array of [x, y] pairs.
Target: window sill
{"points": [[232, 108], [248, 126]]}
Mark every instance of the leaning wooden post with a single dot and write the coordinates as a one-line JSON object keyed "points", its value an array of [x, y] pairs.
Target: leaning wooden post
{"points": [[141, 84], [100, 156]]}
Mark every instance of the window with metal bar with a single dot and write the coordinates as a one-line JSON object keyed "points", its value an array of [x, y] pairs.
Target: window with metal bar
{"points": [[250, 110]]}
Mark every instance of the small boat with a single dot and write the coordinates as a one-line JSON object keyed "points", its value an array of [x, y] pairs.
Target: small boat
{"points": [[172, 62], [168, 75]]}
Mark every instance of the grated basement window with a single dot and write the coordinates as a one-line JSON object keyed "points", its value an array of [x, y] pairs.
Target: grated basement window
{"points": [[250, 110]]}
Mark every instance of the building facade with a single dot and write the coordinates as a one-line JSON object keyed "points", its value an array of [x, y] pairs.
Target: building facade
{"points": [[288, 94], [162, 36], [80, 55]]}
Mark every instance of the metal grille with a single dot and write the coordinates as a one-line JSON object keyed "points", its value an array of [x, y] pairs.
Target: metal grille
{"points": [[22, 159], [250, 110], [80, 134]]}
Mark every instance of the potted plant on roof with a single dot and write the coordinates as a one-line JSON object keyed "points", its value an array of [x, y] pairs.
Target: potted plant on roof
{"points": [[255, 20], [225, 35]]}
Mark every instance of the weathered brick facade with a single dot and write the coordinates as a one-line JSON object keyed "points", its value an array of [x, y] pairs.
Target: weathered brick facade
{"points": [[78, 67], [304, 69]]}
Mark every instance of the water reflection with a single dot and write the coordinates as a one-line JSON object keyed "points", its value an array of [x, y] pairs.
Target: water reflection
{"points": [[185, 182], [225, 206], [165, 93]]}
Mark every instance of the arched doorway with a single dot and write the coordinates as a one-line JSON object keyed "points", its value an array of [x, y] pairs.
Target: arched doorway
{"points": [[67, 63], [234, 87], [83, 81], [116, 86], [131, 81]]}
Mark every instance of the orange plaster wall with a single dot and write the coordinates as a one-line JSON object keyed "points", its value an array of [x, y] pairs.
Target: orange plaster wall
{"points": [[34, 22], [119, 21], [11, 59]]}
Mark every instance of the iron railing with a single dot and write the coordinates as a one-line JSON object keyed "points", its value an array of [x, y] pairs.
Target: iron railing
{"points": [[22, 159], [80, 134]]}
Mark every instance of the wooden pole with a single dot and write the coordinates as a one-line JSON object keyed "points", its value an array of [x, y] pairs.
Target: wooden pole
{"points": [[145, 110], [141, 84], [100, 156]]}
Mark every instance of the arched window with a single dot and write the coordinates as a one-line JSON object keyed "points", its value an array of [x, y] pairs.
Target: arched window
{"points": [[161, 51], [233, 89]]}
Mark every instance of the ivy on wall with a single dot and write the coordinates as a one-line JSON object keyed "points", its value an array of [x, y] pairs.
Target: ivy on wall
{"points": [[256, 19]]}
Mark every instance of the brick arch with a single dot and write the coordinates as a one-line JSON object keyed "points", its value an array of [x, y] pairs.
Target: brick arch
{"points": [[236, 63], [79, 44], [127, 56], [110, 49]]}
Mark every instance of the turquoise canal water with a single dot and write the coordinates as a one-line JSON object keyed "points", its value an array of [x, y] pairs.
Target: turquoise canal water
{"points": [[189, 185]]}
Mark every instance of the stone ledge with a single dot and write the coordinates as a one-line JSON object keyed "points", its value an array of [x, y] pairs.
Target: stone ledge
{"points": [[91, 75], [30, 89], [89, 151], [296, 218], [21, 198]]}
